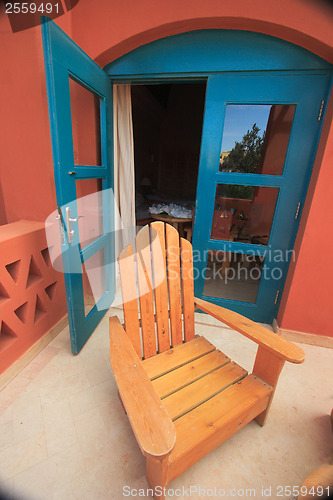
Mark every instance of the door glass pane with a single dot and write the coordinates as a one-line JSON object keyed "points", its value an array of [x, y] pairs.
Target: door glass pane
{"points": [[85, 111], [90, 210], [93, 280], [243, 213], [233, 275], [255, 138]]}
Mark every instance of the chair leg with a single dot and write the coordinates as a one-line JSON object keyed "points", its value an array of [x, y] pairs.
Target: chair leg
{"points": [[267, 367], [156, 473]]}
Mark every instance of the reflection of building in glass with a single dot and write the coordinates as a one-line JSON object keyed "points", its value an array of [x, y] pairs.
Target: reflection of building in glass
{"points": [[223, 155], [243, 213]]}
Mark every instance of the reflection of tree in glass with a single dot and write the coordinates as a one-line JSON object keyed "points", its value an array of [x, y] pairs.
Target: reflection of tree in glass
{"points": [[245, 155], [244, 158]]}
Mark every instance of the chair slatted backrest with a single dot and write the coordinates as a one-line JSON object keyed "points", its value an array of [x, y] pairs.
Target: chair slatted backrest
{"points": [[158, 276]]}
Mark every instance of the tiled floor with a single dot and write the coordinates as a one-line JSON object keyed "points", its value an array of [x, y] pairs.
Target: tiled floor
{"points": [[64, 435]]}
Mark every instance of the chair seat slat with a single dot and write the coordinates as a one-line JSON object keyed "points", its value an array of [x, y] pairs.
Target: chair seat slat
{"points": [[192, 371], [198, 392], [177, 356]]}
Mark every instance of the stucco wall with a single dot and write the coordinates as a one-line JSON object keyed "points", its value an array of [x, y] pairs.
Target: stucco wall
{"points": [[107, 29], [306, 305]]}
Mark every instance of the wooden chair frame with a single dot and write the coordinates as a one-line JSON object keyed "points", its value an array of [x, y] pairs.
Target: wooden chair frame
{"points": [[183, 397]]}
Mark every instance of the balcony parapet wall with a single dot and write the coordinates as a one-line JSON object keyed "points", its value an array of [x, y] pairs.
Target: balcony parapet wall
{"points": [[32, 293]]}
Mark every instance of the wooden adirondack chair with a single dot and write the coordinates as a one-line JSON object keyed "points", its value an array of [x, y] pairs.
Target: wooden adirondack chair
{"points": [[183, 396]]}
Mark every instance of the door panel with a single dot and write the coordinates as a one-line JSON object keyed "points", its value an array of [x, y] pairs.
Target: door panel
{"points": [[80, 111], [260, 134]]}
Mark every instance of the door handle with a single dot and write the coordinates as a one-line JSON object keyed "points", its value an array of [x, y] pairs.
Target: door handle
{"points": [[69, 220]]}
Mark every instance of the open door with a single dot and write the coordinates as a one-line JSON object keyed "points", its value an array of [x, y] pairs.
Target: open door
{"points": [[259, 138], [80, 111]]}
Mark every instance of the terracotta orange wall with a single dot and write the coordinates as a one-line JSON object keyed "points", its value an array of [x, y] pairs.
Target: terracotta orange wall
{"points": [[307, 300], [26, 181], [106, 30]]}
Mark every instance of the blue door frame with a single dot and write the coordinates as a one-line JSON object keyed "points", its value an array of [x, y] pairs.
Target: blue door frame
{"points": [[242, 68], [64, 60]]}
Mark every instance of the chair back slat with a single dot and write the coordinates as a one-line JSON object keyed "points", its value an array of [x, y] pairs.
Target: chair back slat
{"points": [[157, 238], [187, 288], [160, 273], [146, 299], [130, 297], [173, 271]]}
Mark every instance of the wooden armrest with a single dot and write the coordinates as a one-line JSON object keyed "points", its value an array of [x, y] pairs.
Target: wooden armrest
{"points": [[151, 424], [269, 340]]}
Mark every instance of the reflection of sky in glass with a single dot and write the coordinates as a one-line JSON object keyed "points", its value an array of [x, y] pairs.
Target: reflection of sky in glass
{"points": [[239, 118]]}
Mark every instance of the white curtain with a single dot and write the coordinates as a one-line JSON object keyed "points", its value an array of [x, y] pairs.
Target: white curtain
{"points": [[124, 182]]}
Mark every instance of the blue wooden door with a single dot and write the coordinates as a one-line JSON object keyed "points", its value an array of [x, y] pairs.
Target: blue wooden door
{"points": [[252, 185], [80, 112]]}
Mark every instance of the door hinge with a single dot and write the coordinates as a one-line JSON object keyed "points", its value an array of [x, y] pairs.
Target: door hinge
{"points": [[321, 109], [277, 297], [297, 210]]}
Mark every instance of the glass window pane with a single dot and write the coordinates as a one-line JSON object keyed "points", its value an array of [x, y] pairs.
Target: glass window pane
{"points": [[94, 280], [243, 213], [255, 138], [85, 111], [233, 276], [90, 210]]}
